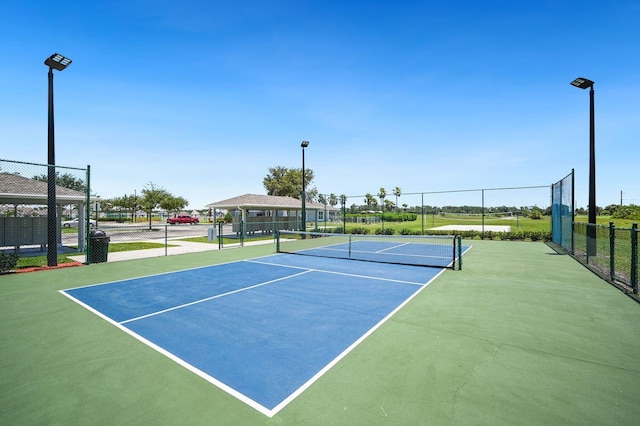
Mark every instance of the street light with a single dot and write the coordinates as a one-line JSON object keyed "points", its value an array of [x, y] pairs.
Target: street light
{"points": [[54, 62], [304, 144], [584, 83]]}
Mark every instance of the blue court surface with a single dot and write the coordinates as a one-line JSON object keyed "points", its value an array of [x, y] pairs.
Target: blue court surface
{"points": [[262, 329]]}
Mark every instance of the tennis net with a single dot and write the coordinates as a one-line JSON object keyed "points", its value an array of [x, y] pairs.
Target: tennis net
{"points": [[442, 251]]}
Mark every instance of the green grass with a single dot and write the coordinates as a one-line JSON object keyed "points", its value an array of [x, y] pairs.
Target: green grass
{"points": [[39, 261], [117, 247]]}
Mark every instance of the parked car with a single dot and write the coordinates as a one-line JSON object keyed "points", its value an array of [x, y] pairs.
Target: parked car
{"points": [[74, 223], [183, 219]]}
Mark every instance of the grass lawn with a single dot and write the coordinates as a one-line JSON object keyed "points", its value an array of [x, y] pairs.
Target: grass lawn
{"points": [[38, 261]]}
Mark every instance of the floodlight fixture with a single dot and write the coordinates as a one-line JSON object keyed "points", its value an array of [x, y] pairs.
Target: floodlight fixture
{"points": [[304, 144], [582, 83], [57, 62]]}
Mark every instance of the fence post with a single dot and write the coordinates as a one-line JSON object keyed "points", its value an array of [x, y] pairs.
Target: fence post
{"points": [[166, 240], [612, 250], [586, 240], [634, 257]]}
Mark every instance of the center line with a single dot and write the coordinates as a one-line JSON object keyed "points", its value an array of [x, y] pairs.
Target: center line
{"points": [[212, 297]]}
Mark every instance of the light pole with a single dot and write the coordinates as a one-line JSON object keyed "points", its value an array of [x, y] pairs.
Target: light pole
{"points": [[584, 83], [57, 62], [304, 144]]}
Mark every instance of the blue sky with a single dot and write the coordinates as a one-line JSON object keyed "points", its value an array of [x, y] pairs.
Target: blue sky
{"points": [[203, 97]]}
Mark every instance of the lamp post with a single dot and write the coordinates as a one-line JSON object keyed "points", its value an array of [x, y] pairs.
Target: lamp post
{"points": [[304, 144], [54, 62], [584, 83]]}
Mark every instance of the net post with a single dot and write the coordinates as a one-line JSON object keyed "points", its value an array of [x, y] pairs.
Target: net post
{"points": [[277, 233], [634, 257], [459, 243]]}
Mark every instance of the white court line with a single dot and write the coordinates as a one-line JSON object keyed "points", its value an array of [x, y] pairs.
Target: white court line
{"points": [[213, 297], [392, 247]]}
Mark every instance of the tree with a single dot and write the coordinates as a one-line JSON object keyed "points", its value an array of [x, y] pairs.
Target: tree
{"points": [[382, 194], [397, 192], [288, 183], [152, 197], [369, 200], [129, 203], [173, 204], [333, 200], [66, 181]]}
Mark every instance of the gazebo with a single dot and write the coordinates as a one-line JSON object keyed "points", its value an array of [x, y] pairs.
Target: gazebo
{"points": [[17, 230], [269, 213]]}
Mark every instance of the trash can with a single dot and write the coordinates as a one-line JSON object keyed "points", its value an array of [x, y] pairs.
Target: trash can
{"points": [[211, 233], [99, 243]]}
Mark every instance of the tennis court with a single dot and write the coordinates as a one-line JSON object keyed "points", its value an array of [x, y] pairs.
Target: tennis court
{"points": [[262, 329], [521, 335]]}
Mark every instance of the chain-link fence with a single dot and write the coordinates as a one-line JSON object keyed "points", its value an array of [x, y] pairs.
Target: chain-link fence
{"points": [[615, 257], [38, 203], [484, 211], [610, 251], [562, 206]]}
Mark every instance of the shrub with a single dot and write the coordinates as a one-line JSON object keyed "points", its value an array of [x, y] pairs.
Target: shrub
{"points": [[359, 230], [386, 231], [627, 212], [8, 262], [536, 214]]}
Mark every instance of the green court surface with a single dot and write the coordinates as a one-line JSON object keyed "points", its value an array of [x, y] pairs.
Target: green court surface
{"points": [[521, 335]]}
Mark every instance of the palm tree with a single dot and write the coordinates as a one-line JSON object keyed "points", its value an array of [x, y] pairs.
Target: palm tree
{"points": [[397, 192], [369, 200], [382, 195]]}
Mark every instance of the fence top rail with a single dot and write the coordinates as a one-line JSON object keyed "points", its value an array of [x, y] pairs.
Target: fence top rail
{"points": [[463, 190], [43, 165], [634, 227]]}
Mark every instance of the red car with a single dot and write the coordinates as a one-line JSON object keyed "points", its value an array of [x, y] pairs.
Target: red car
{"points": [[183, 219]]}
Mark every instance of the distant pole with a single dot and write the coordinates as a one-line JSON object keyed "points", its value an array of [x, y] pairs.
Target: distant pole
{"points": [[304, 144]]}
